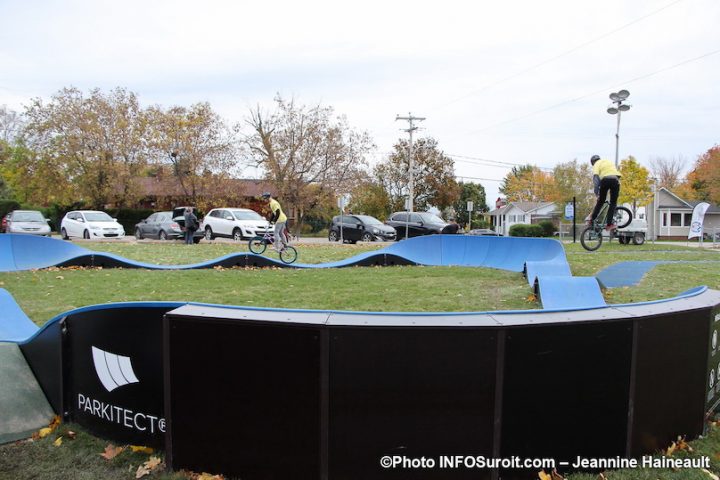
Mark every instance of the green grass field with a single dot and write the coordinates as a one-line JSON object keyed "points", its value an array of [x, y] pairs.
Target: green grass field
{"points": [[44, 294]]}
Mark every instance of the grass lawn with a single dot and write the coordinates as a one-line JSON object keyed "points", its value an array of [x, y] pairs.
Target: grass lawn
{"points": [[45, 293]]}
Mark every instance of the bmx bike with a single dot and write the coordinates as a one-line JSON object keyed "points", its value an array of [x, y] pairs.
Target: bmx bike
{"points": [[259, 244], [592, 236]]}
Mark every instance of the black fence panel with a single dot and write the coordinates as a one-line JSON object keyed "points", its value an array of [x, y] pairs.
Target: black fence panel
{"points": [[244, 398]]}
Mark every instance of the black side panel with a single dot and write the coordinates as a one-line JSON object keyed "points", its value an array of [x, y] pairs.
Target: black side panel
{"points": [[128, 406], [566, 391], [409, 392], [81, 261], [44, 355], [671, 380], [245, 398]]}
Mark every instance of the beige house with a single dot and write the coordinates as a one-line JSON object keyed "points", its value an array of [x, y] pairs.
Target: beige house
{"points": [[669, 216]]}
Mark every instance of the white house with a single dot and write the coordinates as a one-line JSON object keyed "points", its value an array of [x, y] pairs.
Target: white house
{"points": [[521, 212], [671, 216]]}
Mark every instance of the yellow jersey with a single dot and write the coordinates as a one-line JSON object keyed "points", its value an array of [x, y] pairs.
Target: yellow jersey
{"points": [[604, 168], [275, 205]]}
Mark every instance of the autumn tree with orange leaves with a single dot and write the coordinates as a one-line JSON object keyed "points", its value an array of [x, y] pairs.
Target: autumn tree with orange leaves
{"points": [[703, 182], [529, 184]]}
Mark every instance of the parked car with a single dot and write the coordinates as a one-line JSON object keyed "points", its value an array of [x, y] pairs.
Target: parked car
{"points": [[3, 225], [483, 231], [26, 221], [90, 224], [359, 227], [415, 223], [163, 226], [235, 223]]}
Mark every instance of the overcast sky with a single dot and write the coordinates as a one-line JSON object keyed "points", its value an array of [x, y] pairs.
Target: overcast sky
{"points": [[500, 83]]}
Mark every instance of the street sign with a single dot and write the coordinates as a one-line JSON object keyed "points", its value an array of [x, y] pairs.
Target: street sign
{"points": [[470, 206], [569, 211]]}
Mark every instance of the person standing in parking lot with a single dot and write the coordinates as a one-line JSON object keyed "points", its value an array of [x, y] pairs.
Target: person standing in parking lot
{"points": [[191, 224], [279, 218]]}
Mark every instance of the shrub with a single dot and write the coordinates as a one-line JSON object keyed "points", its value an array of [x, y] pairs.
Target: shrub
{"points": [[525, 230], [7, 206], [129, 217], [548, 229]]}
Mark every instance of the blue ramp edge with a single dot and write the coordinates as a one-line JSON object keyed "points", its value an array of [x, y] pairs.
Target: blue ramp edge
{"points": [[569, 292], [15, 326], [535, 257]]}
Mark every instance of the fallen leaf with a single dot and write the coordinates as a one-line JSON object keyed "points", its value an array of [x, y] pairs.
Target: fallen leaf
{"points": [[44, 432], [142, 470], [544, 476], [671, 449], [58, 441], [60, 277], [710, 474], [556, 476], [602, 476], [70, 434], [111, 451], [136, 448], [209, 476], [153, 462], [148, 467]]}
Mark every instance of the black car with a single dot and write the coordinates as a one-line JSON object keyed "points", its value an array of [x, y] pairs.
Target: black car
{"points": [[359, 227], [415, 224]]}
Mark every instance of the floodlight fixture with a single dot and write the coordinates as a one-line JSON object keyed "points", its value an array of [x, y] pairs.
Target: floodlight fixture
{"points": [[618, 98]]}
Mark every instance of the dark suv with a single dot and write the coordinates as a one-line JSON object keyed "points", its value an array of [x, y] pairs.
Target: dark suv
{"points": [[359, 227], [415, 224]]}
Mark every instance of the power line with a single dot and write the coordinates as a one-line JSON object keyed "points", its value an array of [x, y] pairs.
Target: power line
{"points": [[551, 107], [467, 159], [556, 57], [479, 178]]}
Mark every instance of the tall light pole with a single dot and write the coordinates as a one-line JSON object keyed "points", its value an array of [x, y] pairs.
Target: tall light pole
{"points": [[411, 161], [617, 109]]}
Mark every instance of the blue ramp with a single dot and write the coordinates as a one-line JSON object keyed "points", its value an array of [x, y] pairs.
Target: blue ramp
{"points": [[15, 326], [560, 293], [535, 257]]}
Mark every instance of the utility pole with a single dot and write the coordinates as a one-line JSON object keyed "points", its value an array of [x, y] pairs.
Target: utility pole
{"points": [[411, 171]]}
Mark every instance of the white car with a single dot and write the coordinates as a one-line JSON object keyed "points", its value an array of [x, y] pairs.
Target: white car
{"points": [[235, 223], [27, 221], [90, 224]]}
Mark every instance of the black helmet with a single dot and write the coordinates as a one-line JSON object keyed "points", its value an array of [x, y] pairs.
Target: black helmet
{"points": [[594, 159], [266, 195]]}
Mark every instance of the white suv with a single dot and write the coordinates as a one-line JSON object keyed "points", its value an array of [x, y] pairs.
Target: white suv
{"points": [[235, 223], [90, 224]]}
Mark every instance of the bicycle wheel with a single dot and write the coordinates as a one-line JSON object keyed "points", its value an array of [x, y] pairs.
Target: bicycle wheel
{"points": [[257, 245], [591, 238], [288, 255], [622, 217]]}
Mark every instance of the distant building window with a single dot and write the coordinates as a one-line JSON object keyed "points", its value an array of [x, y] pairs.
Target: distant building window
{"points": [[688, 219], [676, 219]]}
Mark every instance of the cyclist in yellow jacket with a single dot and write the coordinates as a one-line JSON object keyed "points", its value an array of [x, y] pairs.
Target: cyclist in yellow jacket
{"points": [[606, 178], [280, 220]]}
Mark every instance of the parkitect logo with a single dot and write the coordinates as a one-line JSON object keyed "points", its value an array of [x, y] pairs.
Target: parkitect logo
{"points": [[114, 371]]}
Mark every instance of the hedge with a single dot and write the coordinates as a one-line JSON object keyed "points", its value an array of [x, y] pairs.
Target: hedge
{"points": [[525, 230]]}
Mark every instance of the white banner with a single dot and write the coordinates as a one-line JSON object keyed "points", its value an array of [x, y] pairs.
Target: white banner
{"points": [[696, 226]]}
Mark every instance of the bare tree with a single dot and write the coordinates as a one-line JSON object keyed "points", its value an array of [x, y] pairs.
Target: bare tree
{"points": [[667, 171], [11, 124], [305, 150], [198, 146]]}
